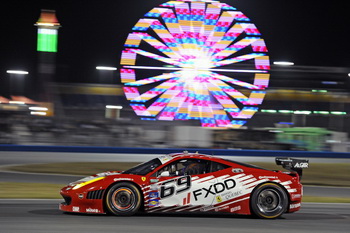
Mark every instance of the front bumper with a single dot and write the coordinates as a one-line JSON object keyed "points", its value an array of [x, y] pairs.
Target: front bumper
{"points": [[87, 201]]}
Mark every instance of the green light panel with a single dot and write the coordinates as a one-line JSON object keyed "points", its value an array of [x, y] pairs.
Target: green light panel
{"points": [[47, 40]]}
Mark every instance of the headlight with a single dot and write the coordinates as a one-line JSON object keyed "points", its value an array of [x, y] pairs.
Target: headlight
{"points": [[87, 182]]}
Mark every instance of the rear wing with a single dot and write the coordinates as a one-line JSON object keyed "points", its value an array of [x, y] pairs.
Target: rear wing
{"points": [[294, 165]]}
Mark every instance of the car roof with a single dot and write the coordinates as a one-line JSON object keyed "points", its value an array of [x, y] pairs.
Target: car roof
{"points": [[186, 154], [196, 155]]}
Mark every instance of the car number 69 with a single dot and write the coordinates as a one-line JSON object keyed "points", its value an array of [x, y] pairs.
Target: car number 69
{"points": [[175, 186]]}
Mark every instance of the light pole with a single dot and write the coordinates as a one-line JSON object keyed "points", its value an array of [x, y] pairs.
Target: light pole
{"points": [[107, 72], [105, 68], [283, 63], [48, 26], [47, 47], [17, 72], [17, 81], [113, 111]]}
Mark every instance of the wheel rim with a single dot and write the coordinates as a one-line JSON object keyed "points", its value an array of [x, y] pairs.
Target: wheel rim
{"points": [[123, 199], [269, 200]]}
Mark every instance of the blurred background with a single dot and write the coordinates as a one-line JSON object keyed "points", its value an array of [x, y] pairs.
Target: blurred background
{"points": [[69, 92]]}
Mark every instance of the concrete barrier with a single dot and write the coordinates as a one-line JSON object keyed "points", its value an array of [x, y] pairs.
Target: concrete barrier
{"points": [[137, 150]]}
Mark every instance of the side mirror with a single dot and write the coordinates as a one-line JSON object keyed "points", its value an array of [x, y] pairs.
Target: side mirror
{"points": [[164, 174]]}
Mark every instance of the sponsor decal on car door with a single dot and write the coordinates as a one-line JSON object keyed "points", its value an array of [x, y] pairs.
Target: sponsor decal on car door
{"points": [[184, 190]]}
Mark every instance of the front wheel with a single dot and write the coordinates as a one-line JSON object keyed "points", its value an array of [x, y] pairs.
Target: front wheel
{"points": [[269, 200], [123, 199]]}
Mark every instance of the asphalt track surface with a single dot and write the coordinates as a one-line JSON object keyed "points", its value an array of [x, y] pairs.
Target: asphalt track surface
{"points": [[35, 216]]}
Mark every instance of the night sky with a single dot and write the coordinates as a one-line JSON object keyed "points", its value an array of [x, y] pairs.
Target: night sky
{"points": [[93, 32]]}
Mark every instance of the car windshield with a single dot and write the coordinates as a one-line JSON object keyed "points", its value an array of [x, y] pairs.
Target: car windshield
{"points": [[144, 168]]}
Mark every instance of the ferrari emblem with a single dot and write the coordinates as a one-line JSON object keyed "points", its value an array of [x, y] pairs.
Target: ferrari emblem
{"points": [[143, 178], [218, 199]]}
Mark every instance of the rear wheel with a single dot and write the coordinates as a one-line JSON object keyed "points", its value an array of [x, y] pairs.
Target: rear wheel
{"points": [[269, 200], [123, 199]]}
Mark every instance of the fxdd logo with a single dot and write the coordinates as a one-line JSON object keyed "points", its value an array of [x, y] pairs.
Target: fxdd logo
{"points": [[214, 189]]}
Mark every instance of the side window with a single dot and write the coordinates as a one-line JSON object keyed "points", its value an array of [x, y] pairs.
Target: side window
{"points": [[175, 169], [186, 167], [217, 166], [196, 167]]}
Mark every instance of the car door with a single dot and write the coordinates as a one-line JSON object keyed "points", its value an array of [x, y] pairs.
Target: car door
{"points": [[184, 182]]}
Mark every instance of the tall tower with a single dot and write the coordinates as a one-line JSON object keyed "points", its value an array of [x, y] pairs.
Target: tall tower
{"points": [[47, 31], [48, 26]]}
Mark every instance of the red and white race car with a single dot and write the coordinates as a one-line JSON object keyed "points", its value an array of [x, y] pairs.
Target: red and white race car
{"points": [[190, 182]]}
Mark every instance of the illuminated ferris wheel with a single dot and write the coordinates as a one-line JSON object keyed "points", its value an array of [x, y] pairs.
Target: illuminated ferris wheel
{"points": [[195, 60]]}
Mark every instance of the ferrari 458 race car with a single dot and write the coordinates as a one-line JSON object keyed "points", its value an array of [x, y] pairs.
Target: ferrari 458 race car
{"points": [[190, 182]]}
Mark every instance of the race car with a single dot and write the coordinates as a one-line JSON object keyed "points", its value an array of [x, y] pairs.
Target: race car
{"points": [[190, 182]]}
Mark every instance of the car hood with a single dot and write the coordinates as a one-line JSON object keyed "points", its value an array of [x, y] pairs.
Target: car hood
{"points": [[92, 177]]}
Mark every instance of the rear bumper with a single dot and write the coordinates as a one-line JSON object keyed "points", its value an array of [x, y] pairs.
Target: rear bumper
{"points": [[293, 207], [295, 199]]}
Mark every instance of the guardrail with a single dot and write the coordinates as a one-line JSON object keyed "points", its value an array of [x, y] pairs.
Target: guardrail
{"points": [[138, 150]]}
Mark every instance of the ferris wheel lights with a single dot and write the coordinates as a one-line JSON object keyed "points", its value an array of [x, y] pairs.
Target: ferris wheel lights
{"points": [[208, 50], [177, 68]]}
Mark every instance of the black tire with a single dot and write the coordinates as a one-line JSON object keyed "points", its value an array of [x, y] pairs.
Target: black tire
{"points": [[269, 200], [123, 199]]}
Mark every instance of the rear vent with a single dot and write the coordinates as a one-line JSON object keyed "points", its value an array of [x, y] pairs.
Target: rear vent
{"points": [[97, 194]]}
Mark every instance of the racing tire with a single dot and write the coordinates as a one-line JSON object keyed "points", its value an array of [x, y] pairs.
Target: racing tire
{"points": [[269, 201], [123, 199]]}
